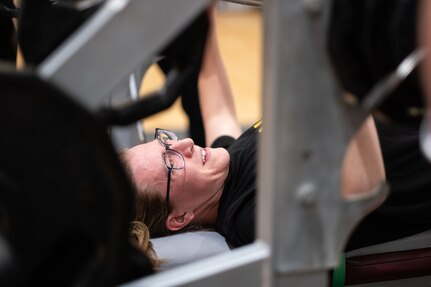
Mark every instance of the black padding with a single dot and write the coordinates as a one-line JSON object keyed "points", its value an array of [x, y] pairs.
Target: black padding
{"points": [[65, 200]]}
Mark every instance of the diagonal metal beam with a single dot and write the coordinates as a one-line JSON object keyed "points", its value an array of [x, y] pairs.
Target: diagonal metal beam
{"points": [[119, 37]]}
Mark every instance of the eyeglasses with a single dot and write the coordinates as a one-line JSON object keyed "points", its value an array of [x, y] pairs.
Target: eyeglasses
{"points": [[173, 160]]}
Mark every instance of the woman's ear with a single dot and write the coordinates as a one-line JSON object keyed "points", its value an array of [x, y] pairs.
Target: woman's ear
{"points": [[177, 221]]}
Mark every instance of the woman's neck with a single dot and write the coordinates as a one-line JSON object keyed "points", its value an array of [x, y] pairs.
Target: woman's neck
{"points": [[207, 215]]}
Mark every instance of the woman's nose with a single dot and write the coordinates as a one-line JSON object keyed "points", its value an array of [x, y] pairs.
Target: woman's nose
{"points": [[184, 146]]}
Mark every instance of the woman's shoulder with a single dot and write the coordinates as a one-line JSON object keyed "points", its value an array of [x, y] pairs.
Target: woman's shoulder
{"points": [[224, 141]]}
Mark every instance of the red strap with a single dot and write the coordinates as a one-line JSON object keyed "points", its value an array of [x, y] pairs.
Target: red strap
{"points": [[388, 266]]}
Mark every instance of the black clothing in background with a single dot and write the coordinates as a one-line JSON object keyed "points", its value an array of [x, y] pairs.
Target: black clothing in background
{"points": [[236, 213], [407, 210], [8, 43]]}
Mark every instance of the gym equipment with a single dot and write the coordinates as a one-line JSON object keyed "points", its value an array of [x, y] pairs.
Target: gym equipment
{"points": [[190, 103], [367, 40], [253, 3], [44, 25], [62, 23], [65, 201], [185, 62]]}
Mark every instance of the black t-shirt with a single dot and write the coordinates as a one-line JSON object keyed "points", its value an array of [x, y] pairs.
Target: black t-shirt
{"points": [[236, 213], [407, 210]]}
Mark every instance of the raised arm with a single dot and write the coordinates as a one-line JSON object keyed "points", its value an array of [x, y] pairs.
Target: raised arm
{"points": [[363, 167], [215, 94]]}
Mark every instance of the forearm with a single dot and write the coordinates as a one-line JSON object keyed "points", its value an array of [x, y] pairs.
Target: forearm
{"points": [[215, 94], [363, 167]]}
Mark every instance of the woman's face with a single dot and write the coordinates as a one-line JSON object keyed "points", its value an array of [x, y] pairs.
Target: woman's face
{"points": [[194, 186]]}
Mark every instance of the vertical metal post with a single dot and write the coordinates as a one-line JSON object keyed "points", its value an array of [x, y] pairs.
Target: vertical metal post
{"points": [[307, 128]]}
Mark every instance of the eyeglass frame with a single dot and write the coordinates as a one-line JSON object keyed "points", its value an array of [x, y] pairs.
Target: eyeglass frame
{"points": [[170, 169]]}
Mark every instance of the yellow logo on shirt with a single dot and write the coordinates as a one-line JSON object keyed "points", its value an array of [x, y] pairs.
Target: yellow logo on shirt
{"points": [[258, 125]]}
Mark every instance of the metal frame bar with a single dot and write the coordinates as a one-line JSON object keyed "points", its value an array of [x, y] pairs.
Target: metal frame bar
{"points": [[116, 40], [302, 215], [252, 3]]}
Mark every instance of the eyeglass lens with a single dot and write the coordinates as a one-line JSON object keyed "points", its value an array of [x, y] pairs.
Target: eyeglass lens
{"points": [[173, 159]]}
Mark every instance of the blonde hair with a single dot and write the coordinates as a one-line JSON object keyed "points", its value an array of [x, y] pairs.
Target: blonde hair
{"points": [[141, 236]]}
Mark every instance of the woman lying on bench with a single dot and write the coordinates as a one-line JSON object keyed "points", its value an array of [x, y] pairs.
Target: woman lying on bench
{"points": [[182, 187]]}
